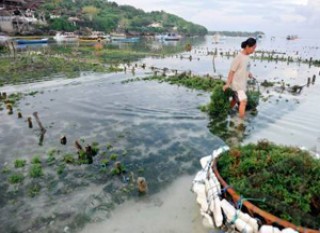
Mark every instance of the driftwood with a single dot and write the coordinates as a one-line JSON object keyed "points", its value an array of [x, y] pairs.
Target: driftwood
{"points": [[42, 129]]}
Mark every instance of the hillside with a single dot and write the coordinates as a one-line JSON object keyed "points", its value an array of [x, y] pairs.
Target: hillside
{"points": [[102, 15]]}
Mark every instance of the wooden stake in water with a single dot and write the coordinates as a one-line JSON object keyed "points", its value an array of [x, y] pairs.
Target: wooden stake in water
{"points": [[313, 79], [30, 122]]}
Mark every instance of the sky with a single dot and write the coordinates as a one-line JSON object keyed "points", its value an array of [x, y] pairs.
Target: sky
{"points": [[273, 17]]}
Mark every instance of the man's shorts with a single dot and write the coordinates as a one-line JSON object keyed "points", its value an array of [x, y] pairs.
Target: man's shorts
{"points": [[240, 96]]}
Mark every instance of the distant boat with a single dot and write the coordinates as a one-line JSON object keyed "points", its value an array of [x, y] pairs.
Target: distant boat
{"points": [[216, 38], [66, 37], [32, 41], [169, 37], [4, 38], [259, 37], [123, 37], [95, 36], [292, 37]]}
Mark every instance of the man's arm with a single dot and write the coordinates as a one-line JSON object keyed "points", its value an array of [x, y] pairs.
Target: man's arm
{"points": [[229, 80]]}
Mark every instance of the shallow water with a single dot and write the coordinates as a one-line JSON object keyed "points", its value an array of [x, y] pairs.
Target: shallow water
{"points": [[172, 210], [155, 129]]}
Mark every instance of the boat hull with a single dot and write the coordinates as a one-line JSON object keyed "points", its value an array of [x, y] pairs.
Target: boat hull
{"points": [[127, 40], [42, 41]]}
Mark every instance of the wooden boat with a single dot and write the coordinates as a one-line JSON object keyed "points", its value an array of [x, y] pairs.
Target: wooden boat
{"points": [[32, 41], [217, 197], [292, 37], [169, 37]]}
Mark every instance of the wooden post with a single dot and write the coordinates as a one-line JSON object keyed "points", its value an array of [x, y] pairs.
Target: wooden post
{"points": [[30, 122], [63, 140]]}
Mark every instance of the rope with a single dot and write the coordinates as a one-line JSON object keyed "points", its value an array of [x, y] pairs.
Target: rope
{"points": [[240, 203], [224, 190]]}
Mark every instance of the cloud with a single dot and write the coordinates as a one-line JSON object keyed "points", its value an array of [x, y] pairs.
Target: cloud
{"points": [[272, 16]]}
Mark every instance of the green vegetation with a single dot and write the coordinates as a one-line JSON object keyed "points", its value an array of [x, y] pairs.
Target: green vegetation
{"points": [[37, 67], [19, 163], [69, 158], [118, 170], [51, 160], [61, 169], [36, 160], [108, 16], [105, 162], [113, 157], [287, 177], [16, 178], [34, 190], [35, 171]]}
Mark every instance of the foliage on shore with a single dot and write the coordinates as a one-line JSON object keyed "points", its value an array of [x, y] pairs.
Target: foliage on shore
{"points": [[286, 177], [108, 16]]}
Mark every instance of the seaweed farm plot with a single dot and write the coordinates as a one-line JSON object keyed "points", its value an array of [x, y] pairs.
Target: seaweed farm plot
{"points": [[136, 130]]}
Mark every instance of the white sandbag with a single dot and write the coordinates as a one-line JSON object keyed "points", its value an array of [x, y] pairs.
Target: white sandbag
{"points": [[198, 187], [200, 177], [288, 230], [216, 153], [200, 190], [213, 177], [207, 220], [205, 162], [250, 220], [214, 202], [233, 217], [228, 209], [243, 226], [210, 185], [269, 229]]}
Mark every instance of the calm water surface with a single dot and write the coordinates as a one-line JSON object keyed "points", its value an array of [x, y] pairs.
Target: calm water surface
{"points": [[156, 131]]}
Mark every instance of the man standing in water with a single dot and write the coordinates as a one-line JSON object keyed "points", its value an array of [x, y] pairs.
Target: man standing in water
{"points": [[238, 74]]}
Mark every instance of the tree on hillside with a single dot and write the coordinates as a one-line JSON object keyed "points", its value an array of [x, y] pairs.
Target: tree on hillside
{"points": [[123, 23], [90, 11]]}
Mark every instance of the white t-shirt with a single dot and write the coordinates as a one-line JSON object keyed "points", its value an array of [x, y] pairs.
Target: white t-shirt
{"points": [[241, 67]]}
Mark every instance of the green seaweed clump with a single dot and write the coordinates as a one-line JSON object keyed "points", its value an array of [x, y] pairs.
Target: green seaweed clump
{"points": [[286, 178], [219, 105]]}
